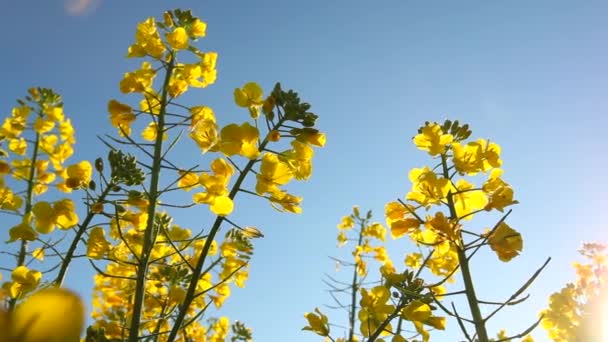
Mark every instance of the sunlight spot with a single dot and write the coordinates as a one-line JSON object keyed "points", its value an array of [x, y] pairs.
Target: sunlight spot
{"points": [[80, 7]]}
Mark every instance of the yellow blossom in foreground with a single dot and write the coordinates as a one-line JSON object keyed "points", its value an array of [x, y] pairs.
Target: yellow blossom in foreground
{"points": [[49, 315]]}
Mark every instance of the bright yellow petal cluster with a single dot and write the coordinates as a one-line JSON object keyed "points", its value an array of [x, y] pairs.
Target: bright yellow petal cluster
{"points": [[317, 322], [250, 96], [79, 175], [432, 139], [50, 315], [241, 140], [476, 156], [427, 188], [24, 281], [178, 38], [139, 80], [147, 41], [48, 216], [506, 242], [216, 186], [500, 194], [374, 309], [273, 173], [400, 220]]}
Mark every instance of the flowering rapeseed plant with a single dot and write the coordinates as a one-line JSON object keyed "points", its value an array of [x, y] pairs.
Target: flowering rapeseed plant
{"points": [[156, 279], [441, 200]]}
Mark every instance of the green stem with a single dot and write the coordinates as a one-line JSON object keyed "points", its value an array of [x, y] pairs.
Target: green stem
{"points": [[28, 207], [467, 278], [150, 233], [354, 289], [83, 227], [197, 272]]}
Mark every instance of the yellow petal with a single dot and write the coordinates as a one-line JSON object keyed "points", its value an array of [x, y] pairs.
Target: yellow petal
{"points": [[222, 206], [50, 315]]}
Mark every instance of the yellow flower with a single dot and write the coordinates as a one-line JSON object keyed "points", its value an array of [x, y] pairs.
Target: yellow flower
{"points": [[250, 96], [427, 188], [50, 315], [222, 205], [374, 309], [22, 231], [79, 174], [242, 140], [432, 139], [440, 224], [45, 217], [188, 180], [500, 194], [24, 280], [506, 242], [178, 39], [480, 155], [216, 194], [467, 159], [467, 200], [317, 322], [177, 87], [121, 116], [273, 173], [413, 260], [400, 220], [151, 132], [299, 158], [17, 146], [198, 28], [347, 222], [65, 213], [139, 80], [416, 311], [287, 202], [61, 213], [312, 136], [147, 41], [66, 131], [97, 246]]}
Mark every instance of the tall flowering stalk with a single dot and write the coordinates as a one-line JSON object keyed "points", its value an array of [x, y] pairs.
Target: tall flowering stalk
{"points": [[161, 278], [156, 280], [434, 215]]}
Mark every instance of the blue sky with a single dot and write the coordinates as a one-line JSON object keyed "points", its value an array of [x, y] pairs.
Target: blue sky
{"points": [[531, 76]]}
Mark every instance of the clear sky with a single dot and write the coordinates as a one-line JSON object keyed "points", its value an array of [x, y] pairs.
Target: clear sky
{"points": [[531, 76]]}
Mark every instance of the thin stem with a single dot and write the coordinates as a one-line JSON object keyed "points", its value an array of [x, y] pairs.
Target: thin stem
{"points": [[150, 233], [354, 288], [467, 278], [28, 207]]}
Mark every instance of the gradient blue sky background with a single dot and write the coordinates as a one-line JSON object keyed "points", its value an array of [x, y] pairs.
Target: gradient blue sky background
{"points": [[531, 76]]}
